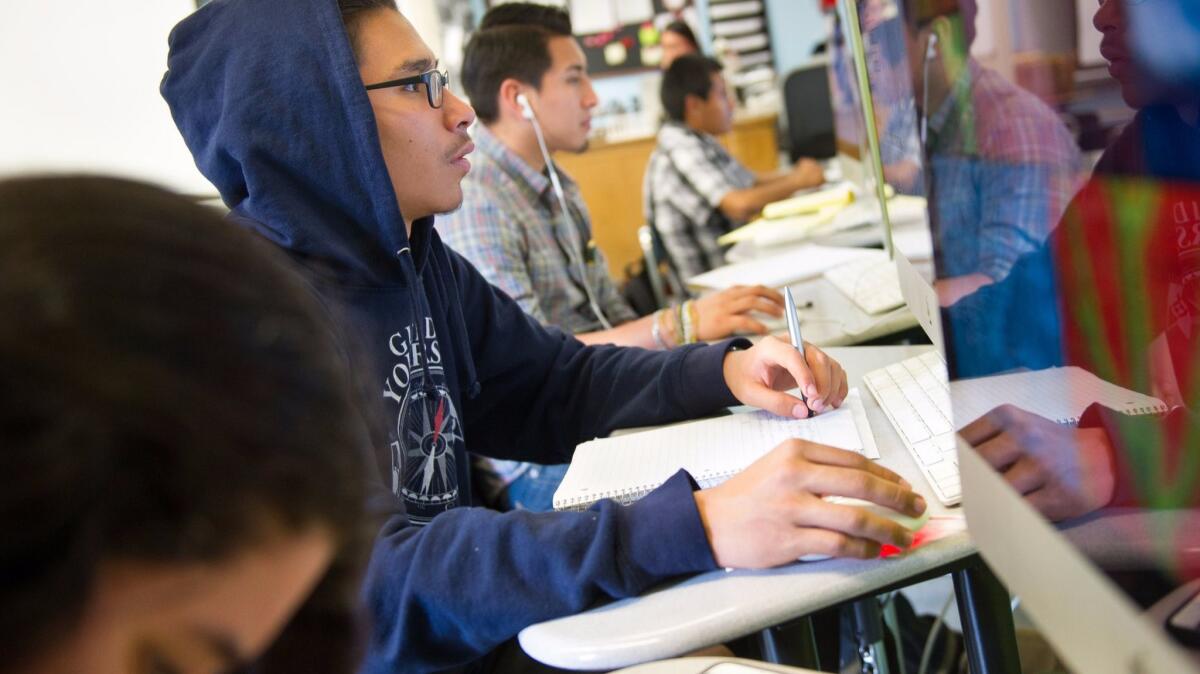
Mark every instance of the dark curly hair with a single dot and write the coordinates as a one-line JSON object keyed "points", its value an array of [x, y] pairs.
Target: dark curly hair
{"points": [[172, 393]]}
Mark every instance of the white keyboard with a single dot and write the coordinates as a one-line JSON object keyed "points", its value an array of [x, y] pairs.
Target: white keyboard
{"points": [[915, 396], [872, 283]]}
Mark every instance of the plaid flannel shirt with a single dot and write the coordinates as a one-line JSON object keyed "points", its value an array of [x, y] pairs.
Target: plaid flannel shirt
{"points": [[1004, 168], [509, 227], [688, 176]]}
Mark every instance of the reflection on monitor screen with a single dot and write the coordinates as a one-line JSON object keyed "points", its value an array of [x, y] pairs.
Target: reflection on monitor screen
{"points": [[1069, 279]]}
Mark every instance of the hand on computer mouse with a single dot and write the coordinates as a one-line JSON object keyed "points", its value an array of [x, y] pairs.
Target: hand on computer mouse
{"points": [[773, 512], [728, 312], [762, 374]]}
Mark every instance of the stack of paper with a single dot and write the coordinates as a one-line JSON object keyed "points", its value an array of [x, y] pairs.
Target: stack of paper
{"points": [[809, 203], [776, 271]]}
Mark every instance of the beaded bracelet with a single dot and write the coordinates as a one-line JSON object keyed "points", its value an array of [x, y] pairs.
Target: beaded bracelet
{"points": [[695, 316], [656, 330], [689, 330]]}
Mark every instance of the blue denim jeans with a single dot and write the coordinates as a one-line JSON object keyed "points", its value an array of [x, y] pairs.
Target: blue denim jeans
{"points": [[534, 489]]}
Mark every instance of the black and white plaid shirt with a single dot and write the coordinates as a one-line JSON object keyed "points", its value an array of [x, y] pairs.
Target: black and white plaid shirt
{"points": [[688, 176]]}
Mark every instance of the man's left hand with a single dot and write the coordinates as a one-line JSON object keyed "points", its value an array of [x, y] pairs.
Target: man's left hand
{"points": [[1061, 471]]}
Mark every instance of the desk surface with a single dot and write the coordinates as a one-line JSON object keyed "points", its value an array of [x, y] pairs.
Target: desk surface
{"points": [[721, 605], [834, 319], [701, 665]]}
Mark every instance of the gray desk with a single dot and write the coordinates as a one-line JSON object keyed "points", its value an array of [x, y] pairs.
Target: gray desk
{"points": [[701, 665], [834, 320], [719, 606]]}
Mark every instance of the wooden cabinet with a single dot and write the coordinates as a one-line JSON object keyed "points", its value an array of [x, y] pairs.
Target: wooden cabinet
{"points": [[610, 178]]}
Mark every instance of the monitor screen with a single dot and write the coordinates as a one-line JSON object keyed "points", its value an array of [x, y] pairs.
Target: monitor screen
{"points": [[849, 133], [1065, 207]]}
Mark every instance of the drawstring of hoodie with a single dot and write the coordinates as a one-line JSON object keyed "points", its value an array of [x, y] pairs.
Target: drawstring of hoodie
{"points": [[459, 339], [412, 280]]}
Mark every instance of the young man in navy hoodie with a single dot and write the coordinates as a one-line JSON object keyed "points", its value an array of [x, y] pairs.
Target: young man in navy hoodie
{"points": [[282, 115]]}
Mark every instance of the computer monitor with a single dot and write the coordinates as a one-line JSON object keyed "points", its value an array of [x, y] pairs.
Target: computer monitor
{"points": [[1066, 287], [849, 132], [875, 55], [856, 138]]}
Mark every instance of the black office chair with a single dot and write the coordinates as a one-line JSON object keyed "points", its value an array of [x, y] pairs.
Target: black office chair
{"points": [[809, 113]]}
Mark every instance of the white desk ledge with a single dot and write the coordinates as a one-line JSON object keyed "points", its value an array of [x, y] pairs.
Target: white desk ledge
{"points": [[718, 606], [699, 665]]}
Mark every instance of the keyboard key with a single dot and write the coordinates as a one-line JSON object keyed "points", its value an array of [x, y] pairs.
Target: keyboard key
{"points": [[943, 470], [927, 452], [945, 443]]}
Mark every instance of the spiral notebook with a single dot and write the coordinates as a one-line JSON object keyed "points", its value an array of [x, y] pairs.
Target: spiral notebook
{"points": [[1058, 393], [627, 467]]}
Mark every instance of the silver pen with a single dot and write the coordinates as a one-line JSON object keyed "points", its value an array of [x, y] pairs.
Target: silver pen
{"points": [[793, 321]]}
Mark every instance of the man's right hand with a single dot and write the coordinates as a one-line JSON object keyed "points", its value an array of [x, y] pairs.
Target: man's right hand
{"points": [[773, 513]]}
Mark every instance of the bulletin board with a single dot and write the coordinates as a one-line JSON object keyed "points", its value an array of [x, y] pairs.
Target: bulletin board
{"points": [[622, 36], [631, 40]]}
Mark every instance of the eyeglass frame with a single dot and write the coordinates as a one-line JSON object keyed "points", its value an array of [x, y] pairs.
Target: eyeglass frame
{"points": [[425, 78]]}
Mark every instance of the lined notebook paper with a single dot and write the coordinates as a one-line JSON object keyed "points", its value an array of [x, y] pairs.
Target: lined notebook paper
{"points": [[627, 467], [1058, 393], [775, 271]]}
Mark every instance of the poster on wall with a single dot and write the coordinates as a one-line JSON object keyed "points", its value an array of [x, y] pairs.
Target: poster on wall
{"points": [[621, 36]]}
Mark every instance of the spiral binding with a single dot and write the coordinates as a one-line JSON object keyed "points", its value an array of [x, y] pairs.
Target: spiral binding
{"points": [[1159, 408], [628, 495]]}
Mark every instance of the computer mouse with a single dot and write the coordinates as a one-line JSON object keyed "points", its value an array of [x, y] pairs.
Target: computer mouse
{"points": [[910, 523]]}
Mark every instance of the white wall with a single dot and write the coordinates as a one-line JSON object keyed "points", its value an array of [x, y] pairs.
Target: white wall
{"points": [[79, 90], [796, 27]]}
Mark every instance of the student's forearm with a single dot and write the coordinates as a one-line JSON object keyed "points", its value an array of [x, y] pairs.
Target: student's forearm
{"points": [[764, 177], [744, 204], [634, 333]]}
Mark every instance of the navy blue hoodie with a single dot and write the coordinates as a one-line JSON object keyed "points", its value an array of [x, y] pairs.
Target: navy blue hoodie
{"points": [[268, 97]]}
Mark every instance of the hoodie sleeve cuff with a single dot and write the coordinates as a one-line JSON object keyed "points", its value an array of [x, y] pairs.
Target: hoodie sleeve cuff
{"points": [[663, 535], [701, 382]]}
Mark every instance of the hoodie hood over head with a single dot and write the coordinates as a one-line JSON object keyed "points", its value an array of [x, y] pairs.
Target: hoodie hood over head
{"points": [[269, 99], [291, 144]]}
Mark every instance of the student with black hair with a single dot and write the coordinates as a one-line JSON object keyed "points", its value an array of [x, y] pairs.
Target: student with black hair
{"points": [[181, 457], [694, 190], [511, 225], [340, 147], [677, 39]]}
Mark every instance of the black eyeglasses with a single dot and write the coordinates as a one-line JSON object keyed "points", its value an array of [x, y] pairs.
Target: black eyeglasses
{"points": [[434, 80]]}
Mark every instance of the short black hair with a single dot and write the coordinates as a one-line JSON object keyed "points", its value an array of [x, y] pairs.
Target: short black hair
{"points": [[352, 12], [921, 13], [173, 394], [512, 42], [690, 74], [554, 19], [682, 29]]}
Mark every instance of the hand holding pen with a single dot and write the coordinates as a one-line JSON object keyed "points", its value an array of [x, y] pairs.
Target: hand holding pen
{"points": [[762, 375]]}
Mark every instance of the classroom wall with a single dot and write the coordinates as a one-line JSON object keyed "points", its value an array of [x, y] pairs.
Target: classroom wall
{"points": [[796, 27], [80, 91]]}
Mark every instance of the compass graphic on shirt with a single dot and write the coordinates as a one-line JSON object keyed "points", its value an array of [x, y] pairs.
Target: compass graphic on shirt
{"points": [[427, 431]]}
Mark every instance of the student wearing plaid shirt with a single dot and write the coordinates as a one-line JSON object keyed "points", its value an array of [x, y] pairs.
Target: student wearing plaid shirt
{"points": [[511, 228], [1003, 166], [695, 191]]}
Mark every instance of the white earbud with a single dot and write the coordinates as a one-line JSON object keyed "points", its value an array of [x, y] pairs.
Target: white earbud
{"points": [[573, 246], [526, 108], [930, 54]]}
